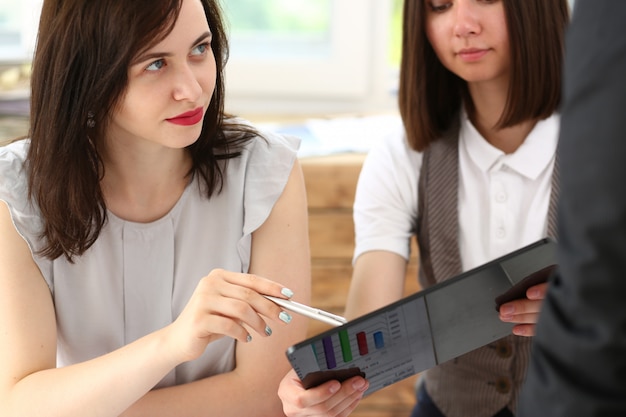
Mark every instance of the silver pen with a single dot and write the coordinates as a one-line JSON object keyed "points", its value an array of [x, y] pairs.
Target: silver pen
{"points": [[305, 310]]}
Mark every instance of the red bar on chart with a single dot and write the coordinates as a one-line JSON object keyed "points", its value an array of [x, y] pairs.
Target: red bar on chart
{"points": [[361, 339]]}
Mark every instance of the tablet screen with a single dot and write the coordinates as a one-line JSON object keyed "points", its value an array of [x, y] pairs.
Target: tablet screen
{"points": [[421, 330]]}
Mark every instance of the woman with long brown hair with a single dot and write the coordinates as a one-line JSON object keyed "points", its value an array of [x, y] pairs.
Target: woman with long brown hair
{"points": [[140, 226]]}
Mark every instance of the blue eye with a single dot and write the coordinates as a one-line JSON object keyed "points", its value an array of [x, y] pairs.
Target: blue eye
{"points": [[156, 65], [200, 49]]}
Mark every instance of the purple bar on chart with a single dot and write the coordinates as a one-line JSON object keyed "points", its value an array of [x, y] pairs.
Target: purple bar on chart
{"points": [[361, 340], [379, 341], [329, 353]]}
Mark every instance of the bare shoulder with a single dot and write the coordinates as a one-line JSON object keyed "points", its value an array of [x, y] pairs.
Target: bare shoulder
{"points": [[18, 270]]}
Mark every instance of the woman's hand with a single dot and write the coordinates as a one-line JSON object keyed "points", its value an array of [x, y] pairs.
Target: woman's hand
{"points": [[225, 303], [330, 399], [524, 312]]}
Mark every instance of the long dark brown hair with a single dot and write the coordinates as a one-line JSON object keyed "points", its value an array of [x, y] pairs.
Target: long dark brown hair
{"points": [[80, 71], [430, 96]]}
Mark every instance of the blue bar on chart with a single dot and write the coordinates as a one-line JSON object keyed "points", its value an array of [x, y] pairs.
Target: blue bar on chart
{"points": [[344, 341], [361, 340], [329, 353], [379, 341]]}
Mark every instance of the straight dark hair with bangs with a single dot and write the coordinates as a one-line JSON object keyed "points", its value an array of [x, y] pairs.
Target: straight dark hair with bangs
{"points": [[430, 96], [80, 71]]}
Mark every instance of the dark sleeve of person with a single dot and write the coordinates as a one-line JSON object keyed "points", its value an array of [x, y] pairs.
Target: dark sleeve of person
{"points": [[578, 362]]}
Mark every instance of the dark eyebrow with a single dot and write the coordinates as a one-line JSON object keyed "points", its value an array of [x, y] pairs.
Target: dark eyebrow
{"points": [[152, 55], [203, 37]]}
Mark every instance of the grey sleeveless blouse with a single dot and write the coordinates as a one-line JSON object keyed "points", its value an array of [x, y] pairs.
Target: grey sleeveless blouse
{"points": [[137, 278]]}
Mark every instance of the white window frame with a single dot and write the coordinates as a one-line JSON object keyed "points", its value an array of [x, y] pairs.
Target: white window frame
{"points": [[27, 14], [354, 77]]}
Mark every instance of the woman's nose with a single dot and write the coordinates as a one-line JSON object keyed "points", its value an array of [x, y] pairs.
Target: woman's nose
{"points": [[186, 85], [467, 22]]}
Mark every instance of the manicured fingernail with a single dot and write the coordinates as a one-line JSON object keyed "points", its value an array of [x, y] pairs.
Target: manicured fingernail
{"points": [[286, 317], [286, 292], [268, 331], [249, 338]]}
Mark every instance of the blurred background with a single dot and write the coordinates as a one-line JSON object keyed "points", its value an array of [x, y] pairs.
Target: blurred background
{"points": [[289, 59]]}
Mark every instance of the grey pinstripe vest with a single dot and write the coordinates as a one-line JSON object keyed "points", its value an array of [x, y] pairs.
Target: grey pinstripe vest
{"points": [[484, 381]]}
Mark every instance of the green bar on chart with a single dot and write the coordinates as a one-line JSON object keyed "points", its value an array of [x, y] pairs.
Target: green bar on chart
{"points": [[344, 340]]}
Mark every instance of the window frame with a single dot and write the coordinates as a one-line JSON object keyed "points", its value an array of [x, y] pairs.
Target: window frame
{"points": [[354, 77], [26, 17]]}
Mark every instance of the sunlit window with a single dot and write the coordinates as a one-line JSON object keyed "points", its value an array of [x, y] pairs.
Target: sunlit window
{"points": [[320, 56], [279, 28], [395, 34], [313, 55], [18, 25]]}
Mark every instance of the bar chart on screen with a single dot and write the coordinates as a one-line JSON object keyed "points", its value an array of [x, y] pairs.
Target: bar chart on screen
{"points": [[351, 346], [396, 343]]}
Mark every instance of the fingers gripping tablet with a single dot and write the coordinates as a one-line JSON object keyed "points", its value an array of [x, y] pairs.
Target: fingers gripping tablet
{"points": [[425, 329]]}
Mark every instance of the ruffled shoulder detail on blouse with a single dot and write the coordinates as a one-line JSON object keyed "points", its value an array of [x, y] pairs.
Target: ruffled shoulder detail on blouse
{"points": [[14, 192], [269, 160]]}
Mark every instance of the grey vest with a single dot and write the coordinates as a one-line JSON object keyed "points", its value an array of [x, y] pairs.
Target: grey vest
{"points": [[484, 381]]}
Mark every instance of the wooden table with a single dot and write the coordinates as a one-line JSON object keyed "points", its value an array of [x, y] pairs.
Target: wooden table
{"points": [[331, 183]]}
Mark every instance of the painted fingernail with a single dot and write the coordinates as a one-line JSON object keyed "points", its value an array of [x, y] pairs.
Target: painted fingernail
{"points": [[286, 317], [286, 292], [268, 331], [249, 338]]}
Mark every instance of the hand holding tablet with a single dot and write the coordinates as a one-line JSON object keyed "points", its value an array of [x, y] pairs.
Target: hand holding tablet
{"points": [[425, 329]]}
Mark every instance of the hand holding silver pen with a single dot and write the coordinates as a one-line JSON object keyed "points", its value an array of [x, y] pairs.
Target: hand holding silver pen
{"points": [[311, 312]]}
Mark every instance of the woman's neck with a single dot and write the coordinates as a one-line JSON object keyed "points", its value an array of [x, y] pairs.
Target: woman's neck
{"points": [[144, 186], [489, 102]]}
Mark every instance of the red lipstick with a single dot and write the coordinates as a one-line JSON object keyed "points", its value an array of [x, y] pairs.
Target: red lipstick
{"points": [[188, 118]]}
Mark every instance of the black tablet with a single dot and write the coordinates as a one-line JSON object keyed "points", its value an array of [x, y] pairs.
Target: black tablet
{"points": [[427, 328]]}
